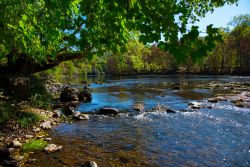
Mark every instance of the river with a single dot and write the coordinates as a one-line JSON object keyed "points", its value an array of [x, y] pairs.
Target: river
{"points": [[215, 136]]}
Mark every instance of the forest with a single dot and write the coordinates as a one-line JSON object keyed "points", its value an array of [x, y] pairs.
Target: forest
{"points": [[229, 56]]}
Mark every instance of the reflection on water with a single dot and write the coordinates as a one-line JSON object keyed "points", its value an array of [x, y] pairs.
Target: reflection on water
{"points": [[206, 137]]}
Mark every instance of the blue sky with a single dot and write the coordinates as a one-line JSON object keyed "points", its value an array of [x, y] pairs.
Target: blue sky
{"points": [[221, 16]]}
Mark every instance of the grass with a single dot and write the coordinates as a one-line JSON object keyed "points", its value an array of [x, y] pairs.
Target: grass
{"points": [[10, 113], [35, 144], [27, 119]]}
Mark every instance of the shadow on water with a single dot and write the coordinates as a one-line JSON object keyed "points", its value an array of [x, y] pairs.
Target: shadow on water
{"points": [[205, 137]]}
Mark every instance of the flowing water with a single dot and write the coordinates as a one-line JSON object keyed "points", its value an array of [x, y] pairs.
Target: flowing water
{"points": [[205, 137]]}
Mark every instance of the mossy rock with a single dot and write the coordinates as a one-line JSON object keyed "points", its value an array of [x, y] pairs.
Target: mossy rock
{"points": [[34, 144]]}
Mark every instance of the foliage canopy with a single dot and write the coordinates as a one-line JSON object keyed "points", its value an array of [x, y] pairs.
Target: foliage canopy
{"points": [[50, 31]]}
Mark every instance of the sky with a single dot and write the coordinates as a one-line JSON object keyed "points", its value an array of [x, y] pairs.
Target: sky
{"points": [[221, 16]]}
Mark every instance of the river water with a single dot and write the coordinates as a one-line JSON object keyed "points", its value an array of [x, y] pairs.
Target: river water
{"points": [[204, 137]]}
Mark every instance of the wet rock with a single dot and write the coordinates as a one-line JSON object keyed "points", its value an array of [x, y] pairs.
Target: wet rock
{"points": [[15, 144], [138, 107], [90, 164], [68, 110], [168, 110], [56, 114], [195, 105], [239, 104], [85, 95], [176, 88], [76, 114], [69, 94], [213, 100], [84, 117], [46, 125], [52, 148], [108, 111]]}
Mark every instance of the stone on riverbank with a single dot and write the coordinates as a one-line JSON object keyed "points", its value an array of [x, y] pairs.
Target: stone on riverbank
{"points": [[15, 144], [52, 148], [46, 125]]}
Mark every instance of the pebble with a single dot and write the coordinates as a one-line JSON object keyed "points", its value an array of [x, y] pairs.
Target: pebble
{"points": [[29, 136], [36, 129], [16, 144], [48, 139]]}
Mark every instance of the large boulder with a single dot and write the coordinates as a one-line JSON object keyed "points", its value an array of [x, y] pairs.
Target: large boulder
{"points": [[69, 94], [85, 95]]}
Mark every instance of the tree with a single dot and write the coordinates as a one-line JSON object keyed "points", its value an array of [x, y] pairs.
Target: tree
{"points": [[239, 40], [39, 34]]}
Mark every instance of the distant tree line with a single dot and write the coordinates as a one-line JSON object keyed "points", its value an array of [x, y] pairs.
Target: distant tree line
{"points": [[232, 56]]}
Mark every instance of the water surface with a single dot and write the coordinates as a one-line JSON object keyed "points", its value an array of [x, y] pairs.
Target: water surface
{"points": [[205, 137]]}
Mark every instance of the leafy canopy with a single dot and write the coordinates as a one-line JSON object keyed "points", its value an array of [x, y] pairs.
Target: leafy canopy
{"points": [[42, 29]]}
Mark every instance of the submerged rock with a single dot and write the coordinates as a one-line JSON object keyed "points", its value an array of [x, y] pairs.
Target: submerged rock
{"points": [[52, 148], [68, 110], [108, 111]]}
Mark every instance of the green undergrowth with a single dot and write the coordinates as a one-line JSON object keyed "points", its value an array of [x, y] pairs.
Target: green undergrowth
{"points": [[9, 113], [39, 98], [27, 119], [35, 144]]}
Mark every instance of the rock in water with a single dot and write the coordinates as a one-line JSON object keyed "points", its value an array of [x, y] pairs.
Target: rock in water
{"points": [[85, 95], [52, 148], [108, 111], [138, 107], [46, 125], [69, 94], [195, 105], [90, 164], [76, 114]]}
